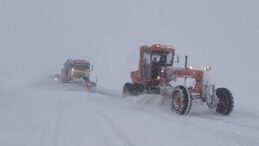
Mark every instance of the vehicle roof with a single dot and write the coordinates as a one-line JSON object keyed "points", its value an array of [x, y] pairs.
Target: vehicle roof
{"points": [[158, 48], [79, 61]]}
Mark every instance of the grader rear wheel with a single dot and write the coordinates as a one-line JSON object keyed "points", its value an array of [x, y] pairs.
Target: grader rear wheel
{"points": [[128, 90], [137, 89]]}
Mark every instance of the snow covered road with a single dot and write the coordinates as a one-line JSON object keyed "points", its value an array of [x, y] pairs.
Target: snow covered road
{"points": [[58, 115], [38, 36]]}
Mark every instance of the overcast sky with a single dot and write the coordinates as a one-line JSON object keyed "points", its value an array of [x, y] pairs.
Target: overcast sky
{"points": [[37, 36]]}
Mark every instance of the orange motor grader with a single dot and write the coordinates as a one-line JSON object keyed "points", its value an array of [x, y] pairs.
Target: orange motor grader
{"points": [[156, 73]]}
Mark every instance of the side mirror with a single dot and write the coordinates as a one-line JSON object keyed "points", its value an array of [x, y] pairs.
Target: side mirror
{"points": [[177, 59]]}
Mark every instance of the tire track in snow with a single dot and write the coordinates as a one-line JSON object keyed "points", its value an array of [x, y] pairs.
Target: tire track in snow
{"points": [[118, 135], [235, 135], [230, 121], [98, 126], [230, 131], [57, 122], [48, 132], [105, 126]]}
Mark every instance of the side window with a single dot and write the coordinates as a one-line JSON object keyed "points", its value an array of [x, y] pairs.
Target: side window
{"points": [[147, 58], [147, 65], [169, 60]]}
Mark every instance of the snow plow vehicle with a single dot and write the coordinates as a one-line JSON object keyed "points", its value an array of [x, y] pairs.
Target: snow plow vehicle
{"points": [[76, 70], [156, 73]]}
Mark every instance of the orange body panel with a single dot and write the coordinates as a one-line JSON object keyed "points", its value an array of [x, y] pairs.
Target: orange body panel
{"points": [[197, 75]]}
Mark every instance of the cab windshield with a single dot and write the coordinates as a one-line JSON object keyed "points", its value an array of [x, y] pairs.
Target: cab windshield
{"points": [[161, 59], [164, 59], [80, 66]]}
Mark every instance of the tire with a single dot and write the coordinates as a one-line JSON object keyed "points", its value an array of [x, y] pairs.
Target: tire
{"points": [[93, 86], [226, 101], [181, 100], [128, 90], [63, 78], [86, 79], [137, 89]]}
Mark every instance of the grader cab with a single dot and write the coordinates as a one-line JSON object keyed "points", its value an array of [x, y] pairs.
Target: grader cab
{"points": [[153, 64]]}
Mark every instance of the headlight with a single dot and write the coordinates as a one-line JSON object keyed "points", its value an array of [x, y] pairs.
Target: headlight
{"points": [[72, 69], [158, 77], [189, 67], [162, 71], [207, 68]]}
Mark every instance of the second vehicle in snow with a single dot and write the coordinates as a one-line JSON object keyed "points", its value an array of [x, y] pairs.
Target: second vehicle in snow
{"points": [[75, 70]]}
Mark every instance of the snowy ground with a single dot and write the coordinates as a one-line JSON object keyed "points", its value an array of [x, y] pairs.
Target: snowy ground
{"points": [[46, 113]]}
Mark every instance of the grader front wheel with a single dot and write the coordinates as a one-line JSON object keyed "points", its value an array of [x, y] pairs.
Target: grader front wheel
{"points": [[181, 100], [226, 101]]}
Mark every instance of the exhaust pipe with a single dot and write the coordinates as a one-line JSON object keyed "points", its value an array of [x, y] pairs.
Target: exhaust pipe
{"points": [[186, 61]]}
